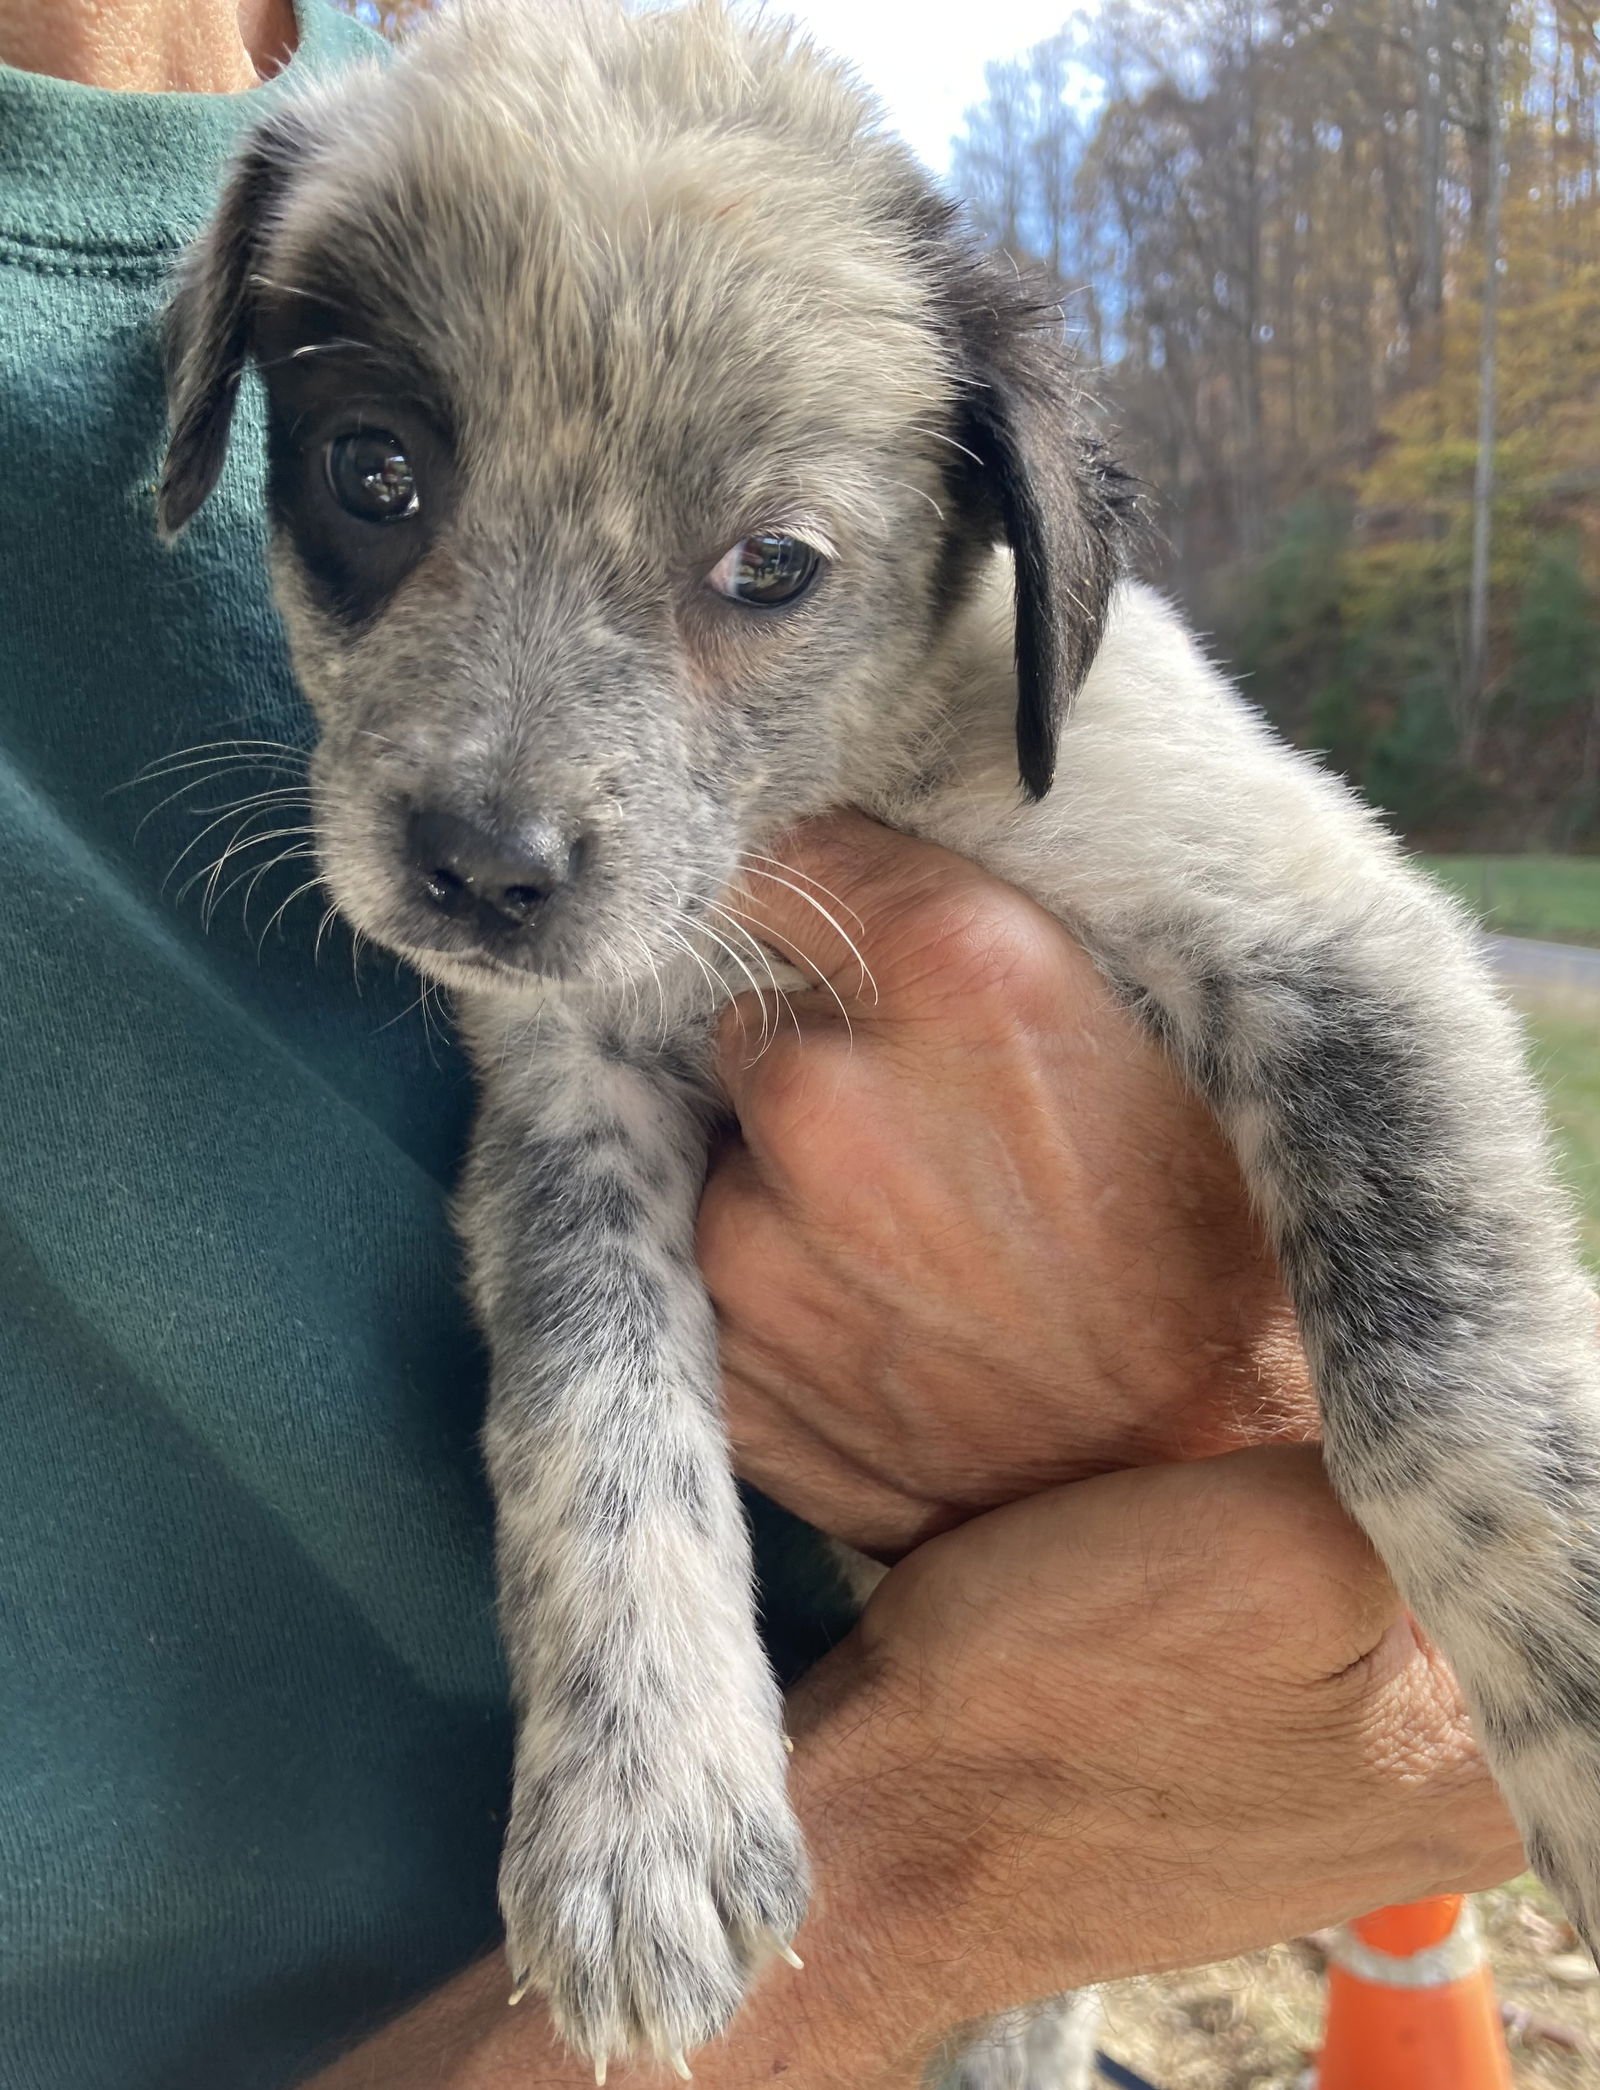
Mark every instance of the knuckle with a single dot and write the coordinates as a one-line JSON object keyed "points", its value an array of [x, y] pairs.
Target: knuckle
{"points": [[981, 943], [795, 1086]]}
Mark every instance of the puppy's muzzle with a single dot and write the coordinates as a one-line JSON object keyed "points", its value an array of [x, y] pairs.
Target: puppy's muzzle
{"points": [[497, 881]]}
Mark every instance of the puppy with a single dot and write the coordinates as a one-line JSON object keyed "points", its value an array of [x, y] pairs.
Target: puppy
{"points": [[655, 460]]}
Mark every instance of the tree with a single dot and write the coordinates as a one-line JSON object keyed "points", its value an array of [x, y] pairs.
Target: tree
{"points": [[1345, 265], [391, 18], [1474, 681]]}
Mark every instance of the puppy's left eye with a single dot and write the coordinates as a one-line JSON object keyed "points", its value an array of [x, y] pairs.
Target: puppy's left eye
{"points": [[372, 477], [766, 572]]}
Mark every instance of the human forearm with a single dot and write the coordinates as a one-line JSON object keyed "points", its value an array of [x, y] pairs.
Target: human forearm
{"points": [[465, 2038], [1145, 1721], [838, 2020], [1154, 1720]]}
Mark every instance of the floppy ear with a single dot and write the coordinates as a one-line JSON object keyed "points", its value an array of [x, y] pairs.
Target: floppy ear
{"points": [[1039, 478], [206, 337]]}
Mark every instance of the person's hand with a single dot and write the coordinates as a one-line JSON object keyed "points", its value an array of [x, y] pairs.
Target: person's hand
{"points": [[1142, 1722], [977, 1238]]}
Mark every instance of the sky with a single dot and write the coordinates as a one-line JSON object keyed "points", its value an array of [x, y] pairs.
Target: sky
{"points": [[925, 58]]}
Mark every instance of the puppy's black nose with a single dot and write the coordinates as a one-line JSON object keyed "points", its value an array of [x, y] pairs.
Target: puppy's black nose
{"points": [[501, 876]]}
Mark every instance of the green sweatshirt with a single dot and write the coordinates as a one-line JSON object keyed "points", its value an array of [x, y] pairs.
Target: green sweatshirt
{"points": [[253, 1739]]}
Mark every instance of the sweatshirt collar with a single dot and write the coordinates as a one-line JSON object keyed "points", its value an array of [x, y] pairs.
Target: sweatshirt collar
{"points": [[92, 176]]}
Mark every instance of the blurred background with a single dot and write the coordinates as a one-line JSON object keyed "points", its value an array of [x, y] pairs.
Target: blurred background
{"points": [[1339, 263], [1334, 267]]}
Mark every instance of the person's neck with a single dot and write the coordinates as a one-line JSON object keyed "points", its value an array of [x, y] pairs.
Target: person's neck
{"points": [[150, 46]]}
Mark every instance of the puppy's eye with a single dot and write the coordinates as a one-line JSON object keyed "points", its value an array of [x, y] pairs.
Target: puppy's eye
{"points": [[372, 477], [766, 572]]}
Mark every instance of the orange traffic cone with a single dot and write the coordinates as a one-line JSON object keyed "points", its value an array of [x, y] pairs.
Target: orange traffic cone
{"points": [[1411, 2004]]}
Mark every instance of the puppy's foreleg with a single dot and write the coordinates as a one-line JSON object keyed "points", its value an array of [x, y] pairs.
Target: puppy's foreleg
{"points": [[652, 1859]]}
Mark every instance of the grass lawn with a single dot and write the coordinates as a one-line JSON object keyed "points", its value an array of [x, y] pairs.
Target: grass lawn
{"points": [[1554, 898], [1564, 1035]]}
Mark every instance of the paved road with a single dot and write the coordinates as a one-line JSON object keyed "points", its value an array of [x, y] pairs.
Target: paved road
{"points": [[1546, 964]]}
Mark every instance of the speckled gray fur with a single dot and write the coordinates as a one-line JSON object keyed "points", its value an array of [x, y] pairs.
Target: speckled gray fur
{"points": [[629, 288]]}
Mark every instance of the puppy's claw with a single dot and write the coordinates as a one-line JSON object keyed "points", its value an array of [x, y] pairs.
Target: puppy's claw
{"points": [[600, 2070], [788, 1743], [789, 1953], [681, 2068], [524, 1983]]}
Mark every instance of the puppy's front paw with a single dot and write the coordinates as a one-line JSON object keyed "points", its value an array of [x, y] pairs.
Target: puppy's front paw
{"points": [[641, 1912]]}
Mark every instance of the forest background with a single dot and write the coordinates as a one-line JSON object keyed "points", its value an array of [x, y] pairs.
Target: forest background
{"points": [[1337, 266]]}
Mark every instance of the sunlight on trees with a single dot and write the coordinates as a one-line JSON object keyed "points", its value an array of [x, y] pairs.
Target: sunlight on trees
{"points": [[1273, 229], [389, 17]]}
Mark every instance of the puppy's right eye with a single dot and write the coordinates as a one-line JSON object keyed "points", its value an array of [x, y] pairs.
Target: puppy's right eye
{"points": [[371, 476], [766, 572]]}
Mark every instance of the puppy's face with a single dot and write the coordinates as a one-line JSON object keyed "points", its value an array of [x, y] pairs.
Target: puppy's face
{"points": [[626, 464]]}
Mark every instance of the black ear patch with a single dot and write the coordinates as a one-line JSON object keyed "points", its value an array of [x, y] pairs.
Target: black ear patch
{"points": [[1037, 475], [210, 321]]}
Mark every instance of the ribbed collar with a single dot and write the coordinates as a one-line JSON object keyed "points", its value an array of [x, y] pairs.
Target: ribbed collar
{"points": [[88, 172]]}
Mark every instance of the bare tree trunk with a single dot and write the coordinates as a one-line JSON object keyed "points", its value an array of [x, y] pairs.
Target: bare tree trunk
{"points": [[1586, 803], [1252, 474], [1430, 35], [1474, 689], [1055, 136]]}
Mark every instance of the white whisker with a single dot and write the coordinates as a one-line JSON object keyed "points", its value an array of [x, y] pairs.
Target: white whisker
{"points": [[779, 993], [921, 493], [283, 791], [327, 922], [776, 863], [283, 907], [400, 1015], [723, 945], [195, 841], [434, 1026], [792, 870], [820, 979], [655, 974], [712, 982], [254, 873], [238, 842], [241, 752], [939, 437], [849, 942], [251, 879]]}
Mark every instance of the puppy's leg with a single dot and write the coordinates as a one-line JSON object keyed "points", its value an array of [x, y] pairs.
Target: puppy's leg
{"points": [[1373, 1088], [652, 1860]]}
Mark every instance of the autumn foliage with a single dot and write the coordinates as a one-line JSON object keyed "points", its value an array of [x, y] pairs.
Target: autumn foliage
{"points": [[1271, 226]]}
